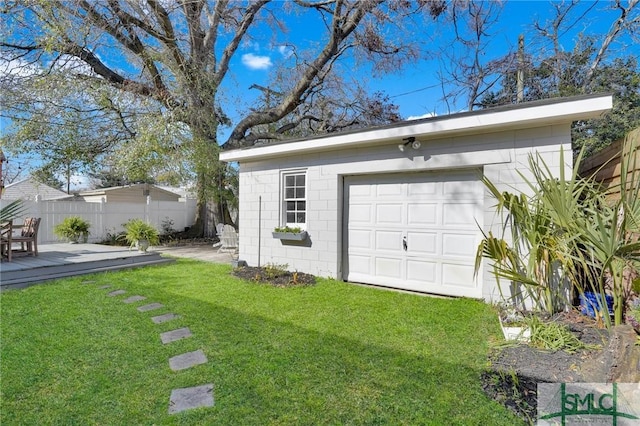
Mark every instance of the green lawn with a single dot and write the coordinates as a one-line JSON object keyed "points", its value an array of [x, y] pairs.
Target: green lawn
{"points": [[332, 353]]}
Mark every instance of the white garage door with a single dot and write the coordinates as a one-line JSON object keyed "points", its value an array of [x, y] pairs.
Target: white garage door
{"points": [[414, 231]]}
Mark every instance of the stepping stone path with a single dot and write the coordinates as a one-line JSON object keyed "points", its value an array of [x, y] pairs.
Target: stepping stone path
{"points": [[186, 398], [88, 282], [164, 318], [187, 360], [173, 335], [134, 299], [150, 307]]}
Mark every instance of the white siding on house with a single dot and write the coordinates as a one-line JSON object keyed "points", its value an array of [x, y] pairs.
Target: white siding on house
{"points": [[500, 155]]}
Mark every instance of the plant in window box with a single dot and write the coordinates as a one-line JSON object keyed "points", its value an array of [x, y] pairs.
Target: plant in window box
{"points": [[289, 233]]}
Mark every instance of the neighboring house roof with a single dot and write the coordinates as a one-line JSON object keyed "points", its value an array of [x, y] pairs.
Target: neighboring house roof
{"points": [[527, 114], [29, 188], [115, 189], [182, 192]]}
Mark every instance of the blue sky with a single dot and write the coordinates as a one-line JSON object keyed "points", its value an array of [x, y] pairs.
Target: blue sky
{"points": [[416, 89]]}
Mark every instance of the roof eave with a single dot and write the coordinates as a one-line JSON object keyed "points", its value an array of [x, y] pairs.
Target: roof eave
{"points": [[484, 121]]}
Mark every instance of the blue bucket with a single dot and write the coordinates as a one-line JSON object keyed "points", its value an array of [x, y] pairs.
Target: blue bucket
{"points": [[590, 303]]}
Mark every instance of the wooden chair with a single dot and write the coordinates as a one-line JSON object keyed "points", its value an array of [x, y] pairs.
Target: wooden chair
{"points": [[29, 235], [6, 230], [229, 240]]}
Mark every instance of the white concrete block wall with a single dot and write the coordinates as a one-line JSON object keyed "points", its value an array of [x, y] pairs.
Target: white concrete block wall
{"points": [[500, 155]]}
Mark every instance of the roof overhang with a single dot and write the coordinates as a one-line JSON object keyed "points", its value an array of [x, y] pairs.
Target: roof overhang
{"points": [[526, 115]]}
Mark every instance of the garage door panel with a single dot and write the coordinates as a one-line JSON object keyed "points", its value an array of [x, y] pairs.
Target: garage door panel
{"points": [[425, 243], [421, 270], [388, 189], [359, 264], [463, 189], [459, 214], [360, 214], [360, 191], [460, 245], [388, 267], [435, 212], [389, 214], [388, 240], [457, 275], [422, 214], [361, 238], [423, 188]]}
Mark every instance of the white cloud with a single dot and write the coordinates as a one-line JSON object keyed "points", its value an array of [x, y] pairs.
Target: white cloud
{"points": [[418, 117], [256, 62], [285, 51], [17, 67]]}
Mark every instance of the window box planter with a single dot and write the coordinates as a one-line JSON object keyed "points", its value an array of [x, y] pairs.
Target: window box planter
{"points": [[293, 236]]}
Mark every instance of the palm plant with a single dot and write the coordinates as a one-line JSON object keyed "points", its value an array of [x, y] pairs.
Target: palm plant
{"points": [[567, 232], [12, 210], [531, 257]]}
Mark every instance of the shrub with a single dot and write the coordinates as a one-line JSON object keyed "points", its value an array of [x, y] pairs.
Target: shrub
{"points": [[72, 228]]}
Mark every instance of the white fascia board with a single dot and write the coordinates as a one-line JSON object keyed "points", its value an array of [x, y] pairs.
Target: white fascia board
{"points": [[461, 124]]}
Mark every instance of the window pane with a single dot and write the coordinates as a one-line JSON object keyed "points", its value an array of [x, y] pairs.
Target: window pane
{"points": [[290, 193], [291, 217], [301, 205], [300, 180], [300, 218], [289, 180], [291, 205], [299, 192]]}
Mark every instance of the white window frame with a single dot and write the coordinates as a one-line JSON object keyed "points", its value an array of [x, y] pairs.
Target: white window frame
{"points": [[296, 198]]}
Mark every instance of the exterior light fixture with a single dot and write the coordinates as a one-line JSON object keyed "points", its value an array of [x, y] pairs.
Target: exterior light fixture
{"points": [[411, 140]]}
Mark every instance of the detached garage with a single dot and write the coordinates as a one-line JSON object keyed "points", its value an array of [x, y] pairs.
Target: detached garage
{"points": [[402, 205]]}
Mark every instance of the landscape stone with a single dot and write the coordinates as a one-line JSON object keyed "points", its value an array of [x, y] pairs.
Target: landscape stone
{"points": [[188, 398], [103, 287], [88, 282], [150, 307], [187, 360], [173, 335], [164, 318], [116, 293], [133, 299]]}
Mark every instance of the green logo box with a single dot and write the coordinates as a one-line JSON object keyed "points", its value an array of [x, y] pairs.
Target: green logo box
{"points": [[589, 404]]}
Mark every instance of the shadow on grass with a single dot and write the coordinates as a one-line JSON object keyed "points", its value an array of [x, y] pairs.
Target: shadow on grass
{"points": [[274, 371]]}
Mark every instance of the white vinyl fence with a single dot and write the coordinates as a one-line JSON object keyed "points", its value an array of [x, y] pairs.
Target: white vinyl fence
{"points": [[107, 218]]}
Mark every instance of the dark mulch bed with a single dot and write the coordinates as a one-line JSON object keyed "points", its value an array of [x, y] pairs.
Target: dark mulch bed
{"points": [[516, 370], [274, 276]]}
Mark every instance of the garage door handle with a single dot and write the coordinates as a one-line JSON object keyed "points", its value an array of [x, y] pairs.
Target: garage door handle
{"points": [[404, 243]]}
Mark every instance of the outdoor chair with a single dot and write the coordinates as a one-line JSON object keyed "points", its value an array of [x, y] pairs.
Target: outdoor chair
{"points": [[6, 229], [228, 239], [28, 237]]}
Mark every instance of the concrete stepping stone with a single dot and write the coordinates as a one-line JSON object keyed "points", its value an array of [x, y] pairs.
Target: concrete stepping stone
{"points": [[104, 287], [188, 398], [173, 335], [134, 299], [88, 282], [187, 360], [164, 318], [116, 293], [150, 307]]}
